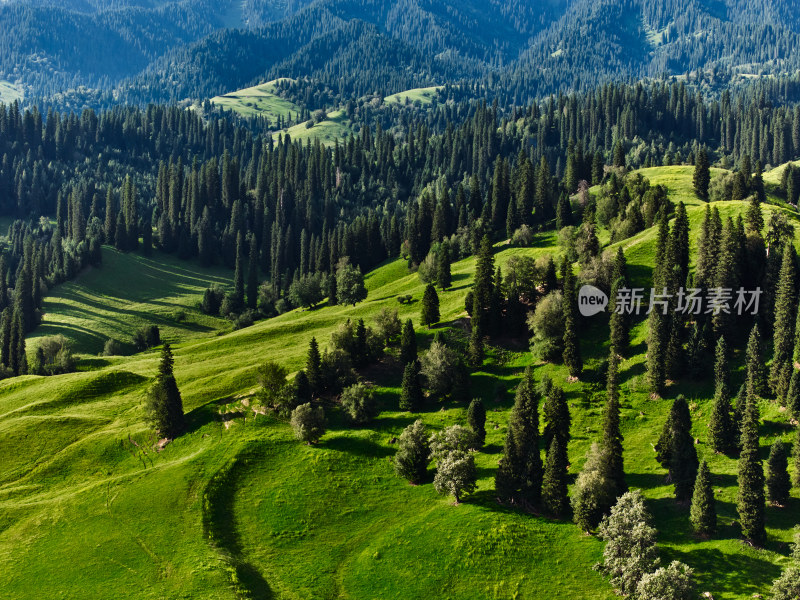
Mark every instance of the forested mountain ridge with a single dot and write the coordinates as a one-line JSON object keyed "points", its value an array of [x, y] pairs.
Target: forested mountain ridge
{"points": [[179, 50]]}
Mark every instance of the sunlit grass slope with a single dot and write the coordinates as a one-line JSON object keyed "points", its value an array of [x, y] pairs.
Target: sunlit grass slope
{"points": [[237, 507]]}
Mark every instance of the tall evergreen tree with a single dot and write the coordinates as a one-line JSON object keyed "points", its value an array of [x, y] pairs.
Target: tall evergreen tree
{"points": [[750, 498], [556, 415], [164, 405], [613, 461], [252, 274], [411, 396], [702, 174], [778, 483], [785, 312], [683, 462], [722, 433], [658, 322], [572, 349], [618, 321], [430, 306], [408, 343], [703, 514], [519, 476], [476, 418], [554, 481], [314, 368], [238, 277]]}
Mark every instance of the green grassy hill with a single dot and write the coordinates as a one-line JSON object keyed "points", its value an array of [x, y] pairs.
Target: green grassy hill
{"points": [[422, 95], [237, 506], [127, 292], [335, 126], [258, 100]]}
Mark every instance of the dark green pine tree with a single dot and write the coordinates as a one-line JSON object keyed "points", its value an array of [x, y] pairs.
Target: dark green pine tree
{"points": [[519, 476], [683, 461], [613, 458], [554, 480], [778, 483], [484, 284], [430, 306], [164, 404], [756, 374], [750, 498], [754, 218], [411, 397], [408, 343], [314, 368], [238, 276], [476, 418], [556, 415], [785, 312], [444, 277], [563, 212], [658, 322], [722, 433], [252, 274], [702, 175], [572, 349], [796, 454], [619, 324], [703, 514]]}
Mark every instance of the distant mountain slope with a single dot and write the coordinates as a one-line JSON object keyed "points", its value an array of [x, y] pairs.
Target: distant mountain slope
{"points": [[173, 50]]}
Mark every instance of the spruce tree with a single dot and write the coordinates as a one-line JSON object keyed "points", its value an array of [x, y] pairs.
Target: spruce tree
{"points": [[484, 286], [314, 368], [238, 277], [658, 322], [618, 322], [702, 175], [613, 460], [756, 381], [554, 481], [721, 431], [750, 498], [703, 514], [556, 414], [252, 275], [476, 418], [430, 306], [164, 405], [572, 350], [778, 482], [411, 397], [785, 312], [408, 343], [519, 477], [683, 461]]}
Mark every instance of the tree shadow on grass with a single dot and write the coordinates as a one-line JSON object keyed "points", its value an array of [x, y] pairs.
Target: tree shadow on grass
{"points": [[356, 445], [741, 573]]}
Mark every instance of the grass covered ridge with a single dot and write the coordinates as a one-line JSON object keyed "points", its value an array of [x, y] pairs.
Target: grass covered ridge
{"points": [[87, 509]]}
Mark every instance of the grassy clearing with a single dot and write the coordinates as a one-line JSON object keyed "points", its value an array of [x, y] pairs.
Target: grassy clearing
{"points": [[422, 95], [258, 100], [88, 510], [335, 127], [127, 292], [10, 93]]}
